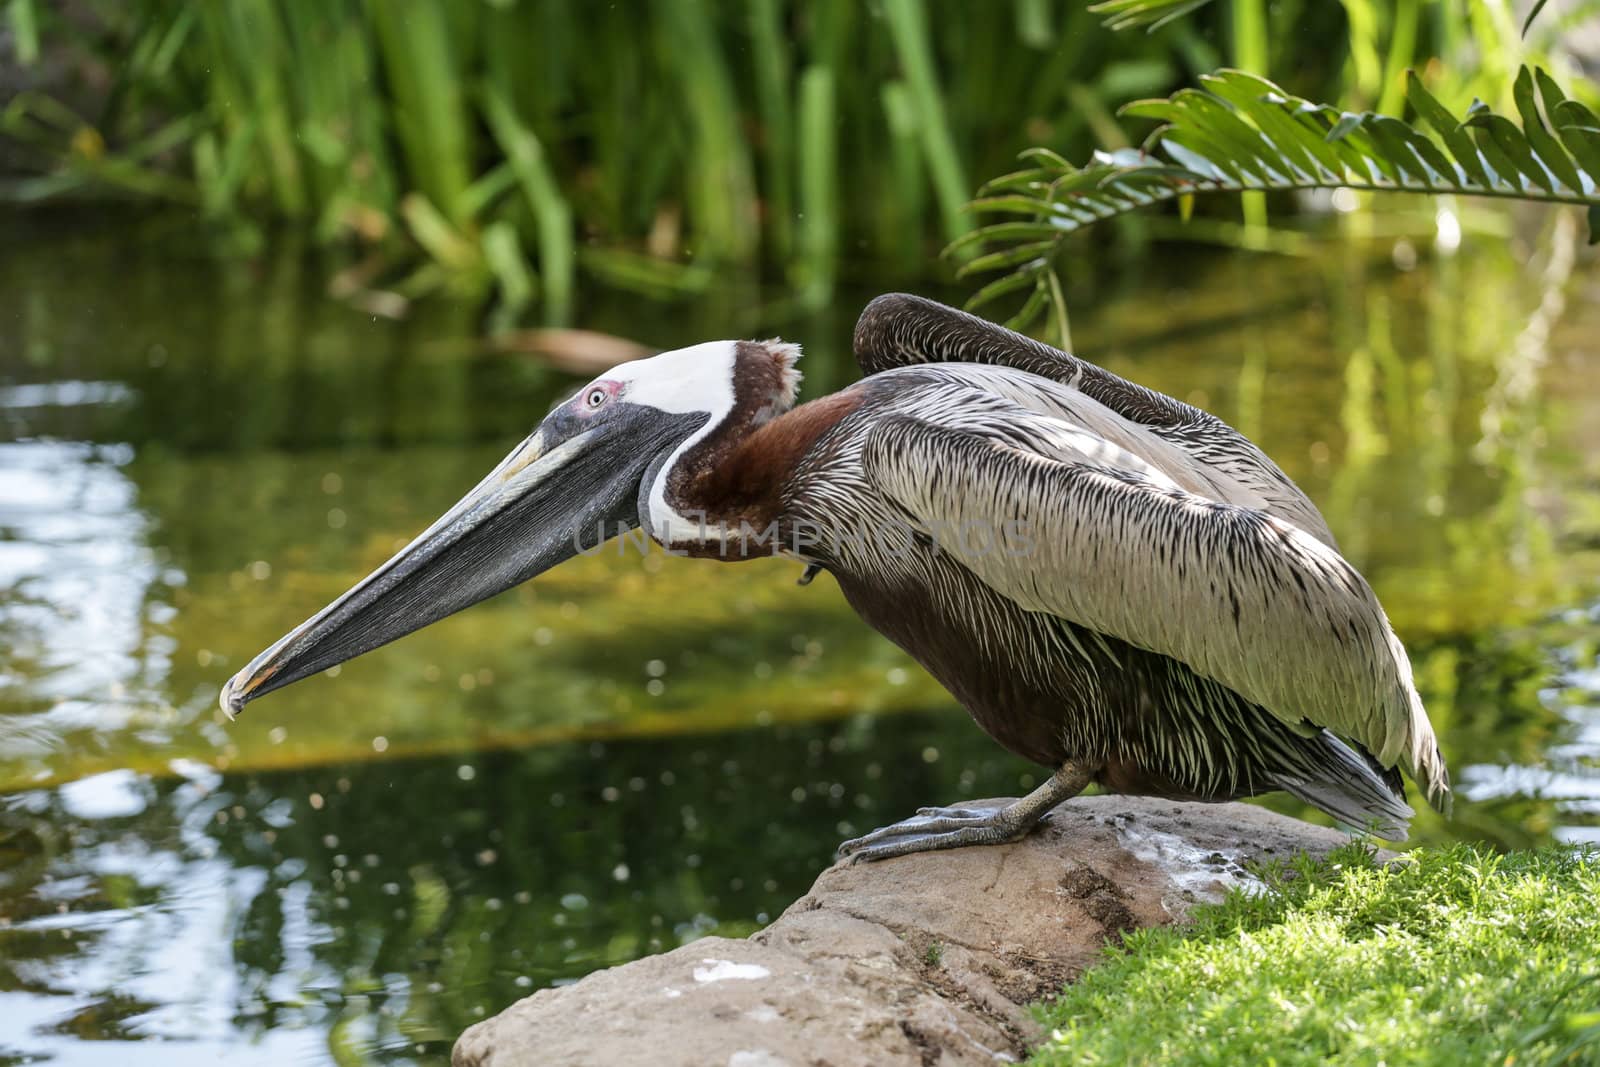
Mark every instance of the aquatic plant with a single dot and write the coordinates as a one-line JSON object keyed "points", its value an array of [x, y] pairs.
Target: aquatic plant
{"points": [[513, 149], [504, 148]]}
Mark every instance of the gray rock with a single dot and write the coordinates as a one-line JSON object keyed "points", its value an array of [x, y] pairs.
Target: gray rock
{"points": [[923, 959]]}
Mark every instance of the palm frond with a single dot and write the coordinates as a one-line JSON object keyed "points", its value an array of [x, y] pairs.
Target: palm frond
{"points": [[1240, 132]]}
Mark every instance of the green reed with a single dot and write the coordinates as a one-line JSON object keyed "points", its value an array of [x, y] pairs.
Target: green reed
{"points": [[660, 145]]}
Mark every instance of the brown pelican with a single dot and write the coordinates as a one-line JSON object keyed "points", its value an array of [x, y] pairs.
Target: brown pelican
{"points": [[1116, 585]]}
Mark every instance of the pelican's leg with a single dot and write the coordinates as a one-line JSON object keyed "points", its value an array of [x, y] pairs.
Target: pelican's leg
{"points": [[932, 828]]}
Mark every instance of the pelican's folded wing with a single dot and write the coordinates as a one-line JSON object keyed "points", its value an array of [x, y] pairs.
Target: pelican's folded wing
{"points": [[900, 330], [1100, 539]]}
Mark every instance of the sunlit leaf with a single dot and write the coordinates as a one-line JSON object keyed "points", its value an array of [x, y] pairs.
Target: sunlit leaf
{"points": [[1006, 283], [1533, 13], [1544, 146], [1240, 132], [1149, 15], [1032, 308]]}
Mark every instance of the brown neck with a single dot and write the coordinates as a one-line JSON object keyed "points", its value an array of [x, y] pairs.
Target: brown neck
{"points": [[740, 477]]}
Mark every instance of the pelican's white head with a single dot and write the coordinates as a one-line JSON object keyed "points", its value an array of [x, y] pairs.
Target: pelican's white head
{"points": [[600, 463], [735, 385], [714, 378]]}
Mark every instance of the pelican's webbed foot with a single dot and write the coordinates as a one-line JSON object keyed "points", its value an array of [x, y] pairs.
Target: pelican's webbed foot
{"points": [[936, 828], [933, 828]]}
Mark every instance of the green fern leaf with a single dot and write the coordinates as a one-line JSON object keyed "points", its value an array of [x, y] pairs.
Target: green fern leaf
{"points": [[1240, 132]]}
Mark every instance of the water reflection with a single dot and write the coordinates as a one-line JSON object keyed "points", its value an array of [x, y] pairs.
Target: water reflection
{"points": [[85, 645], [629, 753], [1566, 776], [374, 910]]}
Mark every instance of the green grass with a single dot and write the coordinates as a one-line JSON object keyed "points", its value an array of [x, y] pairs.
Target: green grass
{"points": [[1457, 956]]}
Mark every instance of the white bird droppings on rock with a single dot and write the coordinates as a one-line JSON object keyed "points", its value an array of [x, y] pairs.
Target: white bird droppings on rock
{"points": [[1196, 873], [722, 970], [756, 1057]]}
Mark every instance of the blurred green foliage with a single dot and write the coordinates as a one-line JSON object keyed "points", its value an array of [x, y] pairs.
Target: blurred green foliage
{"points": [[490, 146]]}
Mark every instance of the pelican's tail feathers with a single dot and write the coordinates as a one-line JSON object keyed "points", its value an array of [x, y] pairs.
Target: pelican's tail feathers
{"points": [[1352, 788]]}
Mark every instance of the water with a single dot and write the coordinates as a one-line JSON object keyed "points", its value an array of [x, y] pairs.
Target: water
{"points": [[627, 754]]}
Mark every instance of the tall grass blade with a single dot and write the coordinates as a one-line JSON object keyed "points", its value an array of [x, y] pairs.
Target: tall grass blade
{"points": [[1248, 25], [502, 251], [430, 116], [24, 20], [723, 190], [772, 75], [552, 216], [819, 193], [1402, 53], [908, 28], [905, 203]]}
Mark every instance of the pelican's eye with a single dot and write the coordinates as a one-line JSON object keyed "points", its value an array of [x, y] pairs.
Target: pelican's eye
{"points": [[595, 398]]}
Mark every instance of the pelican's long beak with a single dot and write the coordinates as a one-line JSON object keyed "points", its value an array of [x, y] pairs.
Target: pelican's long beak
{"points": [[540, 506]]}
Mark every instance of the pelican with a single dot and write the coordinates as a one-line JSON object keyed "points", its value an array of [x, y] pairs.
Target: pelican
{"points": [[1116, 585]]}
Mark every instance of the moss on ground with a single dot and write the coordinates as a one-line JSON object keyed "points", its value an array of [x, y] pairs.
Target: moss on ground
{"points": [[1457, 956]]}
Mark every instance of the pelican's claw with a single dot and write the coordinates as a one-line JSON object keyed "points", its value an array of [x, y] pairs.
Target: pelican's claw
{"points": [[936, 828]]}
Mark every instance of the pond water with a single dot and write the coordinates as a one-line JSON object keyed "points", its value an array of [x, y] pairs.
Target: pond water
{"points": [[630, 753]]}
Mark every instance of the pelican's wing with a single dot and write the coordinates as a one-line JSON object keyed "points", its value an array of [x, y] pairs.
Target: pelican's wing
{"points": [[1097, 536], [900, 330]]}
